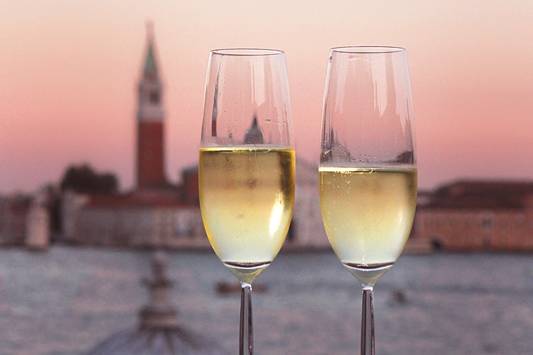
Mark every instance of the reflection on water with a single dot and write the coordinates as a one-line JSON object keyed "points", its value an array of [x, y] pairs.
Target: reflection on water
{"points": [[65, 301]]}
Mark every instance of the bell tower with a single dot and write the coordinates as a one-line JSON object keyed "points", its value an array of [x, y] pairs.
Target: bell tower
{"points": [[150, 163]]}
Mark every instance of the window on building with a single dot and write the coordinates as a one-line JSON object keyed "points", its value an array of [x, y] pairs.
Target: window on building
{"points": [[154, 97], [436, 243], [486, 222], [183, 229]]}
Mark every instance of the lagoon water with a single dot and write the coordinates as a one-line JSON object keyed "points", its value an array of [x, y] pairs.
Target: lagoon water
{"points": [[66, 300]]}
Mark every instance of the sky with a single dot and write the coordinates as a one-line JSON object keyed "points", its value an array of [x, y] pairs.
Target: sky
{"points": [[68, 72]]}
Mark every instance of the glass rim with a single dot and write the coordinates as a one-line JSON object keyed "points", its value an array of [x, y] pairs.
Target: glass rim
{"points": [[246, 52], [368, 49]]}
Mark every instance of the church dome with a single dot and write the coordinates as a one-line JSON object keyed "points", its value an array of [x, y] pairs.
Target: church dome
{"points": [[253, 134]]}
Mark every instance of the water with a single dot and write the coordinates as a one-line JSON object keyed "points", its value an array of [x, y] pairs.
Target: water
{"points": [[65, 301]]}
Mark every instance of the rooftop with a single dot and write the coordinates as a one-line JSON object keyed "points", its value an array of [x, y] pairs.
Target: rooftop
{"points": [[482, 194], [170, 197]]}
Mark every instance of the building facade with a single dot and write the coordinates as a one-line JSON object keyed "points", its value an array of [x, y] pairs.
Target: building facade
{"points": [[306, 227], [13, 213], [131, 220], [24, 221], [477, 216]]}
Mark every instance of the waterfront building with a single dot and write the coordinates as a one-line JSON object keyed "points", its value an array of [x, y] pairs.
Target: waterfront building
{"points": [[131, 220], [13, 212], [306, 228], [37, 233], [477, 216], [24, 220]]}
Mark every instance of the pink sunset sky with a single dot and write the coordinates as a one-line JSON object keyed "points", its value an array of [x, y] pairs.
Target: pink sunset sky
{"points": [[68, 71]]}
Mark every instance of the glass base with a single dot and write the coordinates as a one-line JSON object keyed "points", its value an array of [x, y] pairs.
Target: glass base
{"points": [[246, 272], [368, 274]]}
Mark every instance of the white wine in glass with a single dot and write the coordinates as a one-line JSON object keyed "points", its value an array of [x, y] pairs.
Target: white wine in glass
{"points": [[367, 214], [368, 176], [247, 196], [247, 166]]}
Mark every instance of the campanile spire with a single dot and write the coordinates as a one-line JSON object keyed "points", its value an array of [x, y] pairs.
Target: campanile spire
{"points": [[150, 119]]}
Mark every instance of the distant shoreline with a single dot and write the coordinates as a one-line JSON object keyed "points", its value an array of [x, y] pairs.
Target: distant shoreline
{"points": [[286, 250]]}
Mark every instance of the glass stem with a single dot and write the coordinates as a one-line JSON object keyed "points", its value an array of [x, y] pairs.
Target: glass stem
{"points": [[367, 322], [246, 335]]}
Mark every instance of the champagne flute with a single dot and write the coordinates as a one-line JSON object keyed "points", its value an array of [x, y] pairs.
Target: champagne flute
{"points": [[368, 177], [247, 165]]}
